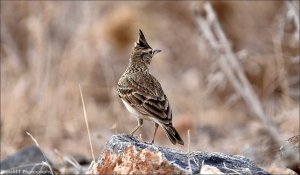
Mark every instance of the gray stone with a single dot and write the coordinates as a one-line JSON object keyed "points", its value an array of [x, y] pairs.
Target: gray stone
{"points": [[27, 161], [187, 162]]}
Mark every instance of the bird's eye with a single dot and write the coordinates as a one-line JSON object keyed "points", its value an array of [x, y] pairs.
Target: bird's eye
{"points": [[150, 51]]}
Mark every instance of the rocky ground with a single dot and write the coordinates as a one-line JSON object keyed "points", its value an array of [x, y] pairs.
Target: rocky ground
{"points": [[124, 154]]}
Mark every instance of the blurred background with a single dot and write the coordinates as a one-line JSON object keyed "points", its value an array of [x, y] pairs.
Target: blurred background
{"points": [[50, 48]]}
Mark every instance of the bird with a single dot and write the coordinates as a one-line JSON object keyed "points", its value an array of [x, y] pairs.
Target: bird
{"points": [[142, 93]]}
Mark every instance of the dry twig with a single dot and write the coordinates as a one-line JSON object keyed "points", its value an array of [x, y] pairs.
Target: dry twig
{"points": [[70, 160], [87, 124], [228, 62], [43, 162]]}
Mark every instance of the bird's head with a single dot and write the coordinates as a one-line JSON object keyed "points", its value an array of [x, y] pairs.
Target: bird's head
{"points": [[142, 52]]}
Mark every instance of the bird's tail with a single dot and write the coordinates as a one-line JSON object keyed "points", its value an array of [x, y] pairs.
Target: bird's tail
{"points": [[172, 134]]}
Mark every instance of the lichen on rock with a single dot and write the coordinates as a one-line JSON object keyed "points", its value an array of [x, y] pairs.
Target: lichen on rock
{"points": [[126, 155]]}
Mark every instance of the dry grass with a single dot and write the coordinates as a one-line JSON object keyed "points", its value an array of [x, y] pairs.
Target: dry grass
{"points": [[48, 48]]}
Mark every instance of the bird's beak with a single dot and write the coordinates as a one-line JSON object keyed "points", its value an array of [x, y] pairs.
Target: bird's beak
{"points": [[155, 51]]}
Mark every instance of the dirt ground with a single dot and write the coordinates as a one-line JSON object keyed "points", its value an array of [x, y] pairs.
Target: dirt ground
{"points": [[50, 48]]}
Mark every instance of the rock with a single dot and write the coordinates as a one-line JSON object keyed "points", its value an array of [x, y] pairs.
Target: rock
{"points": [[27, 161], [124, 154]]}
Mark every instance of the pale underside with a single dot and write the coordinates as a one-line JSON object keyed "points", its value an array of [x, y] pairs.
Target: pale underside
{"points": [[135, 112]]}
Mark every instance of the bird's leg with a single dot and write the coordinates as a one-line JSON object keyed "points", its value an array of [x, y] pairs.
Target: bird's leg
{"points": [[140, 123], [156, 126]]}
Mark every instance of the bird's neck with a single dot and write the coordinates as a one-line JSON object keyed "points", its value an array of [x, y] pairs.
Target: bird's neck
{"points": [[136, 66]]}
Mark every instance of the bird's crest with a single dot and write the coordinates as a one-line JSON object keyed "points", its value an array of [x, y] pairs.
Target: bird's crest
{"points": [[142, 41]]}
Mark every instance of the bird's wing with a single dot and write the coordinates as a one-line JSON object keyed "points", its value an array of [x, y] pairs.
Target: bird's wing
{"points": [[146, 96]]}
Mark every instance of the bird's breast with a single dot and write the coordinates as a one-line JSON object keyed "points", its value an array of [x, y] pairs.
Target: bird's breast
{"points": [[130, 108], [135, 112]]}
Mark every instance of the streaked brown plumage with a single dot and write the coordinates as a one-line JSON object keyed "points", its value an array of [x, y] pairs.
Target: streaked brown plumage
{"points": [[142, 94]]}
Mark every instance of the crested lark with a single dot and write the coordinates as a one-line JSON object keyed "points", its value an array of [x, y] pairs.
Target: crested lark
{"points": [[142, 93]]}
